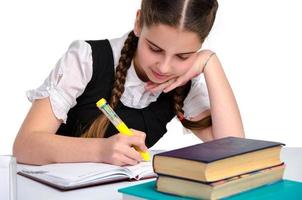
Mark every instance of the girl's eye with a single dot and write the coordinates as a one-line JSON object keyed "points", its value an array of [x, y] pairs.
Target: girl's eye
{"points": [[154, 49], [183, 57]]}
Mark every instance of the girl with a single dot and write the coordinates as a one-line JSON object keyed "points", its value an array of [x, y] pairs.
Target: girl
{"points": [[149, 75]]}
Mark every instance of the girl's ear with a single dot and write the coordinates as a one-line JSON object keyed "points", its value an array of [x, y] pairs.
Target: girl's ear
{"points": [[137, 25]]}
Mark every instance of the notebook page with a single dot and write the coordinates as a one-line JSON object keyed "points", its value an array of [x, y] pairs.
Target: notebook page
{"points": [[70, 171], [140, 170]]}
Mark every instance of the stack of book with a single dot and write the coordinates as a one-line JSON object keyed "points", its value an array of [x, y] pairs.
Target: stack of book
{"points": [[219, 168]]}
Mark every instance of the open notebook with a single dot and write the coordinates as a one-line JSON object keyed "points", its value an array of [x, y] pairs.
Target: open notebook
{"points": [[67, 176]]}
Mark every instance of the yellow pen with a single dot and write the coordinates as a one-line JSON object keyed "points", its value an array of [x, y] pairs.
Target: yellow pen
{"points": [[119, 124]]}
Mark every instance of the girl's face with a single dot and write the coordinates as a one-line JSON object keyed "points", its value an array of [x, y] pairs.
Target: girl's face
{"points": [[164, 52]]}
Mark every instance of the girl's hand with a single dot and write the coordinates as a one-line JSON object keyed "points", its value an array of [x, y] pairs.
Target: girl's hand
{"points": [[196, 69], [118, 149]]}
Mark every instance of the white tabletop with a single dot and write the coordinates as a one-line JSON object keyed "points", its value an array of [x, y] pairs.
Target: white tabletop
{"points": [[28, 189]]}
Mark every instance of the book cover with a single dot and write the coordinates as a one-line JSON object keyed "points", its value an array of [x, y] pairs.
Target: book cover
{"points": [[284, 189], [207, 162], [219, 149]]}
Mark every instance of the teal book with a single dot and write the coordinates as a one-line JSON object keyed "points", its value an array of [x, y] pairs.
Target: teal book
{"points": [[147, 191], [284, 189], [281, 190]]}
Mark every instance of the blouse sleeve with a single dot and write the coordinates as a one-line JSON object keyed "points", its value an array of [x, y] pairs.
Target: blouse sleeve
{"points": [[67, 80], [197, 100]]}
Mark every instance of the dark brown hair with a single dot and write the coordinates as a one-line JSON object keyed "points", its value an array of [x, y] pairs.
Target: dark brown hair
{"points": [[196, 16]]}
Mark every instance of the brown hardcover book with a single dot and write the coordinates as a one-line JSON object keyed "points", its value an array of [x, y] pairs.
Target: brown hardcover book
{"points": [[218, 159], [219, 189]]}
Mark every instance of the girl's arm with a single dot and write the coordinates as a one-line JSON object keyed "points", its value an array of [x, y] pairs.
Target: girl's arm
{"points": [[37, 143], [226, 119], [204, 134]]}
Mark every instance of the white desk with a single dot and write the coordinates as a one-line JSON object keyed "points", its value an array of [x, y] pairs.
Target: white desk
{"points": [[32, 190]]}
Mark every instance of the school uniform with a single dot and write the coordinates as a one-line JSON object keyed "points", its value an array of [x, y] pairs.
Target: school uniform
{"points": [[85, 74]]}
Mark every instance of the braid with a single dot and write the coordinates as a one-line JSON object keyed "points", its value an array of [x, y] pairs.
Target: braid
{"points": [[179, 100], [99, 126], [127, 54], [179, 97]]}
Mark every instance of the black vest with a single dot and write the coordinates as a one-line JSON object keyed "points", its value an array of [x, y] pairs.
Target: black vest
{"points": [[152, 120]]}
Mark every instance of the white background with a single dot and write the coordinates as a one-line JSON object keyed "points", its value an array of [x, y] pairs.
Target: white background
{"points": [[259, 44]]}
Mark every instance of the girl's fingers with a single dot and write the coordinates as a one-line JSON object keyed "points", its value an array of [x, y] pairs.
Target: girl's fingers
{"points": [[127, 155], [133, 155], [155, 87], [180, 81], [162, 86], [125, 160], [172, 86], [130, 155], [138, 142], [150, 85]]}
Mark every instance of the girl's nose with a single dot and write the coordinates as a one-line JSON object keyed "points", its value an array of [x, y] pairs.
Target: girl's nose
{"points": [[165, 67]]}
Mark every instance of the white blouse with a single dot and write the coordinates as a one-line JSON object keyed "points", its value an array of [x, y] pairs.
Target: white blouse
{"points": [[73, 71]]}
